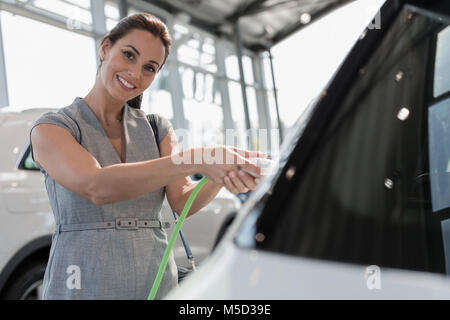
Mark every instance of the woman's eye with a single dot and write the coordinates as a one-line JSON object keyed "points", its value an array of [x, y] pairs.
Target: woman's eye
{"points": [[128, 54], [150, 68]]}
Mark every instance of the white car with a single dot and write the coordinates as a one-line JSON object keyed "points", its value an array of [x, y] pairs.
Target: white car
{"points": [[360, 205], [27, 221]]}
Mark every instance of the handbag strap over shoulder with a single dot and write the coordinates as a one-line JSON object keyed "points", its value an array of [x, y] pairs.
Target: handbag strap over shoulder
{"points": [[152, 119]]}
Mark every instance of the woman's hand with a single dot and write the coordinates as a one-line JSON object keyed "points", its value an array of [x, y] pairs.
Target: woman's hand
{"points": [[240, 182], [227, 166]]}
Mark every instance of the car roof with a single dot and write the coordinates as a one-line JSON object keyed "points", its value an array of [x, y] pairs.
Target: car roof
{"points": [[21, 110]]}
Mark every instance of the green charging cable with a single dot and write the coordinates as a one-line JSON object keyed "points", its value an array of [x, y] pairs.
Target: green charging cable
{"points": [[176, 230]]}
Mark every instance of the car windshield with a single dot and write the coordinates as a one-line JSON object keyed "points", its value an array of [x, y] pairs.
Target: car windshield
{"points": [[373, 185]]}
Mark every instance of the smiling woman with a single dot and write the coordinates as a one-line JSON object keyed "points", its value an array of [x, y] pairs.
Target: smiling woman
{"points": [[105, 175]]}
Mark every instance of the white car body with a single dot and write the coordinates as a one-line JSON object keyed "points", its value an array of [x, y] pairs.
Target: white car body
{"points": [[265, 275]]}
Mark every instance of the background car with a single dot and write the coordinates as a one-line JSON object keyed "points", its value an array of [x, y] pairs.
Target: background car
{"points": [[360, 205], [28, 223]]}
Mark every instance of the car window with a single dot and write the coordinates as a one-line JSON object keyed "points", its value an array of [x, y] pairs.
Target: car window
{"points": [[439, 128], [26, 162], [374, 189], [442, 65]]}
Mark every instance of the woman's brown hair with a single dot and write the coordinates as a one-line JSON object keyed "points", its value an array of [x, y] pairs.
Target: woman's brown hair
{"points": [[141, 21]]}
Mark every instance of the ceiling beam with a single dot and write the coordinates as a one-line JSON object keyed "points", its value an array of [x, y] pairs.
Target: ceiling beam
{"points": [[194, 19], [287, 31], [243, 9], [277, 5], [249, 7], [123, 8]]}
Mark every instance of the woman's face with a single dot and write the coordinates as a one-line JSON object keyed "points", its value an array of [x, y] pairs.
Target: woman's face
{"points": [[131, 64]]}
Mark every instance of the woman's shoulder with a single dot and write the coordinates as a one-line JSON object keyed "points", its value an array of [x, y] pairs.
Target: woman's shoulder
{"points": [[163, 124], [65, 118]]}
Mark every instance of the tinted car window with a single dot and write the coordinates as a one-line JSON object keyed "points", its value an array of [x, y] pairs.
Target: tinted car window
{"points": [[442, 74], [368, 194], [26, 161], [439, 127]]}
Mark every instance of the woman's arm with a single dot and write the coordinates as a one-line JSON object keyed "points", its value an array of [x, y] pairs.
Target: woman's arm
{"points": [[68, 163]]}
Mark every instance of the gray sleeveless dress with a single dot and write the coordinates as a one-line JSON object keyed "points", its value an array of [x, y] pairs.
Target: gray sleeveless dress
{"points": [[109, 263]]}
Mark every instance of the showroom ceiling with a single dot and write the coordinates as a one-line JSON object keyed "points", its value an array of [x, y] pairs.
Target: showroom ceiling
{"points": [[262, 23]]}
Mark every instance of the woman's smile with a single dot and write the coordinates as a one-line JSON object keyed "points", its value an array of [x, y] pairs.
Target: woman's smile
{"points": [[125, 84]]}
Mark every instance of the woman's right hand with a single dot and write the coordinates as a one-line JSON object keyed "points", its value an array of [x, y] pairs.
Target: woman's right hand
{"points": [[220, 162]]}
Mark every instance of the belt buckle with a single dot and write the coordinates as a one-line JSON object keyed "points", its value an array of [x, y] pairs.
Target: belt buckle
{"points": [[127, 224]]}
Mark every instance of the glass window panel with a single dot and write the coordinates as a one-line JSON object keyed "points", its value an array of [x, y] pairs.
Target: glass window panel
{"points": [[179, 30], [193, 43], [187, 78], [237, 113], [248, 69], [158, 101], [272, 108], [82, 3], [217, 93], [267, 72], [313, 54], [188, 55], [232, 67], [209, 46], [200, 86], [442, 73], [193, 50], [252, 107], [110, 24], [209, 88], [112, 10], [439, 131], [208, 62], [205, 122], [65, 9], [45, 72], [237, 105], [157, 98]]}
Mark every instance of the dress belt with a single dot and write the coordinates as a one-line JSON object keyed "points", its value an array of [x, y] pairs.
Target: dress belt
{"points": [[119, 224]]}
